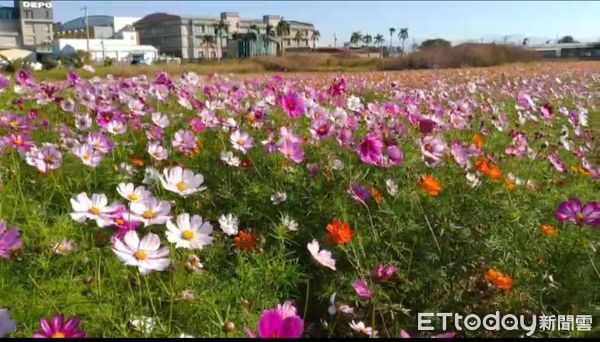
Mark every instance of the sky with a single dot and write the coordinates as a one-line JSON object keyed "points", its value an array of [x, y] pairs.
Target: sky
{"points": [[452, 20]]}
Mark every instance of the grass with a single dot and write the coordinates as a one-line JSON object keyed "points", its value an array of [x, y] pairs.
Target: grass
{"points": [[441, 245]]}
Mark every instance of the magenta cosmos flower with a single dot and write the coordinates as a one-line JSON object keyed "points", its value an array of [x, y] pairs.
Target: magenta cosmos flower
{"points": [[382, 272], [59, 328], [280, 322], [10, 241], [370, 150], [293, 104], [573, 211]]}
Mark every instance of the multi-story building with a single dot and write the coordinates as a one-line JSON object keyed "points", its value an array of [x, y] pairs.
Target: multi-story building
{"points": [[99, 26], [192, 38], [27, 25]]}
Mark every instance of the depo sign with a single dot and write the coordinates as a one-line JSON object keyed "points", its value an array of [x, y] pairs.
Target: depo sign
{"points": [[37, 4]]}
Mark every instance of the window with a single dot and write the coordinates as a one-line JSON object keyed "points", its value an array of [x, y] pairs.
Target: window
{"points": [[48, 14], [28, 14]]}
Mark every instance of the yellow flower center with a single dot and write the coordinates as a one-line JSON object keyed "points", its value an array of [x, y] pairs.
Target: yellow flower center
{"points": [[133, 197], [181, 186], [87, 157], [579, 216], [58, 334], [49, 159], [120, 221], [62, 248], [149, 214], [187, 235], [141, 255], [14, 124], [94, 211]]}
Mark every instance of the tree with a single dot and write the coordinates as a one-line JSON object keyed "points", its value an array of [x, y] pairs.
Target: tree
{"points": [[368, 39], [403, 35], [379, 41], [356, 37], [392, 31], [525, 41], [315, 37], [219, 28], [207, 41], [282, 30], [437, 42], [567, 39], [298, 38], [270, 31]]}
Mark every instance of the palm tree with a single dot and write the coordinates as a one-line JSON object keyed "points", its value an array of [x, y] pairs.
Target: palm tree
{"points": [[315, 37], [379, 41], [392, 31], [298, 38], [270, 30], [356, 37], [403, 35], [368, 39], [283, 30], [219, 28], [207, 40]]}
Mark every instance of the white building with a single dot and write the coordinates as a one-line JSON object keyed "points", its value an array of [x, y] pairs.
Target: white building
{"points": [[100, 26], [121, 50]]}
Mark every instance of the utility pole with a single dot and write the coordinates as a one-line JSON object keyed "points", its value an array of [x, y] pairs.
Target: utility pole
{"points": [[87, 28], [334, 40]]}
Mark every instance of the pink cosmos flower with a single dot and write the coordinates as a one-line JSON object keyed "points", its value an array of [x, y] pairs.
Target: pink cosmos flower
{"points": [[432, 150], [59, 328], [573, 211], [291, 150], [10, 241], [293, 105], [184, 141], [362, 288], [45, 159], [554, 159], [241, 141]]}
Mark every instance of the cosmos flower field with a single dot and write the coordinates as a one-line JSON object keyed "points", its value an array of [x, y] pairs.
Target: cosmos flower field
{"points": [[298, 205]]}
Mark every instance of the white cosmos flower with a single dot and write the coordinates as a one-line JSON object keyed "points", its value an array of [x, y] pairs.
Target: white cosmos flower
{"points": [[182, 182], [473, 180], [229, 224], [151, 211], [337, 165], [160, 120], [143, 324], [146, 254], [189, 233], [360, 327], [323, 256], [116, 127], [129, 192], [391, 186], [151, 175], [278, 197], [157, 151], [89, 68], [241, 141], [96, 208], [229, 159], [289, 223]]}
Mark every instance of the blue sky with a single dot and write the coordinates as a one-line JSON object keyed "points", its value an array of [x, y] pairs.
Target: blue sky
{"points": [[452, 20]]}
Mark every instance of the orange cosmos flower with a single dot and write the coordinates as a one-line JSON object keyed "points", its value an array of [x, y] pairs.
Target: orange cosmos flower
{"points": [[137, 162], [510, 184], [477, 141], [548, 230], [495, 173], [482, 165], [376, 195], [431, 185], [499, 280], [340, 232], [245, 241]]}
